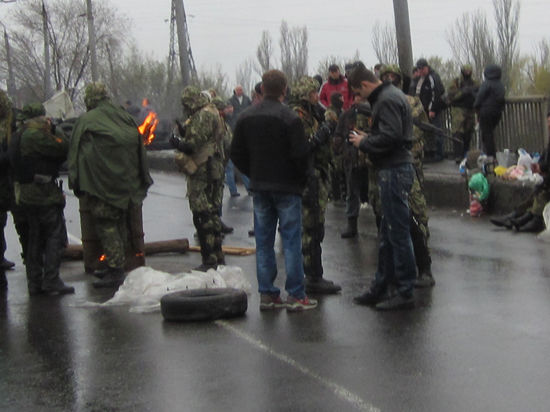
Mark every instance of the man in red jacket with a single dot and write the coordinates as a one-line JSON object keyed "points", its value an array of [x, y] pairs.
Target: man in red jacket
{"points": [[336, 83]]}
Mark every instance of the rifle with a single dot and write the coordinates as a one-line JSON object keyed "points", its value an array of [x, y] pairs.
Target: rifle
{"points": [[430, 128]]}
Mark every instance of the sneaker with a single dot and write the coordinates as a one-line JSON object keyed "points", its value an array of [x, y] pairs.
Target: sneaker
{"points": [[321, 286], [270, 302], [298, 305], [424, 280], [396, 302]]}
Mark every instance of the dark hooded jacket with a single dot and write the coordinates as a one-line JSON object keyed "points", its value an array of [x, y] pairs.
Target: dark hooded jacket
{"points": [[490, 97]]}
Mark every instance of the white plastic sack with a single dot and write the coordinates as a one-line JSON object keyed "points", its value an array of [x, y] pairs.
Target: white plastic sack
{"points": [[144, 286], [525, 160], [545, 234]]}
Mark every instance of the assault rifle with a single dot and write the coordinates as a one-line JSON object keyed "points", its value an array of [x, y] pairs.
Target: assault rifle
{"points": [[430, 128]]}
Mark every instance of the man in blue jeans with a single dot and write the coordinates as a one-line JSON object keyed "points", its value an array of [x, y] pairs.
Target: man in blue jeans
{"points": [[270, 147], [388, 147]]}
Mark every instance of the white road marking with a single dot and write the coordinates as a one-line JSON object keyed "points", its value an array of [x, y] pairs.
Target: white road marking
{"points": [[338, 390]]}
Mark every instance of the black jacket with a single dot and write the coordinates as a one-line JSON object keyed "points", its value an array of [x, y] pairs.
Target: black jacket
{"points": [[238, 108], [269, 146], [490, 97], [431, 93], [389, 143]]}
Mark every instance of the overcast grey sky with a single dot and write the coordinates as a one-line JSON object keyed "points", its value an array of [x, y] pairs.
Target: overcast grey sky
{"points": [[228, 32]]}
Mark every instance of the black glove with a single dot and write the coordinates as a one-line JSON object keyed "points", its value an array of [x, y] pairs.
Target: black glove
{"points": [[181, 128], [181, 144], [174, 141]]}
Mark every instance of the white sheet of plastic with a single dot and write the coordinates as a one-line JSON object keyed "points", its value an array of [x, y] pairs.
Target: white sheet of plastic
{"points": [[144, 287], [545, 234]]}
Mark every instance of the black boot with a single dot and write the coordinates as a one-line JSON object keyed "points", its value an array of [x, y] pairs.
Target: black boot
{"points": [[425, 279], [504, 221], [226, 229], [114, 277], [351, 229], [535, 225], [321, 286], [6, 264], [521, 220]]}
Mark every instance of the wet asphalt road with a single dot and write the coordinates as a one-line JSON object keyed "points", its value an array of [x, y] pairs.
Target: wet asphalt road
{"points": [[479, 341]]}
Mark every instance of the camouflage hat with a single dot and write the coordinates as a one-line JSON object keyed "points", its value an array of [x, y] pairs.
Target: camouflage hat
{"points": [[193, 99], [31, 110], [390, 68], [5, 104], [303, 87], [219, 103], [466, 68], [94, 93]]}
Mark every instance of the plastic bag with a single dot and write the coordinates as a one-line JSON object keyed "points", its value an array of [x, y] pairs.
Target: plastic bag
{"points": [[479, 186], [545, 234], [524, 160]]}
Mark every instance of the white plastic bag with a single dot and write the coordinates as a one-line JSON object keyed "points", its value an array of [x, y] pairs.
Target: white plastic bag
{"points": [[545, 234]]}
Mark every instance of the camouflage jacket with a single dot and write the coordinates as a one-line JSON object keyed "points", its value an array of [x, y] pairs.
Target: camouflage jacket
{"points": [[321, 156], [205, 130], [45, 151], [418, 114]]}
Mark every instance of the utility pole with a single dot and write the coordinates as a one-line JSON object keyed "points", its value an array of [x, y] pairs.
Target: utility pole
{"points": [[403, 35], [47, 70], [187, 64], [91, 39], [11, 78]]}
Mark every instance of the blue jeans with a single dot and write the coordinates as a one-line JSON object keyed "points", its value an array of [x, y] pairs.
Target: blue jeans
{"points": [[396, 262], [270, 207], [230, 178]]}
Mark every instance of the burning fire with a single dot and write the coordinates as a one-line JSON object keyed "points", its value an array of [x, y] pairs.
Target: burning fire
{"points": [[148, 127], [102, 258]]}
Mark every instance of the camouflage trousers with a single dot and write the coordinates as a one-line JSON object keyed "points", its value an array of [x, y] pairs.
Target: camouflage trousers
{"points": [[46, 241], [112, 230], [205, 192], [314, 206], [420, 232], [463, 127]]}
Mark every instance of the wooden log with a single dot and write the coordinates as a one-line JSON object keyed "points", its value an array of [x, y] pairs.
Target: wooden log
{"points": [[230, 250], [75, 252]]}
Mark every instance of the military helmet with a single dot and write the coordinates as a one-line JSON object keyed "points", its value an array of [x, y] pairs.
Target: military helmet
{"points": [[193, 99], [466, 68], [219, 103], [94, 93], [5, 104], [31, 110], [303, 87], [390, 68]]}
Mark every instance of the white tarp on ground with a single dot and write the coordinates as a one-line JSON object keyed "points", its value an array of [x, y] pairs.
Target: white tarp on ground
{"points": [[144, 286], [545, 234], [59, 106]]}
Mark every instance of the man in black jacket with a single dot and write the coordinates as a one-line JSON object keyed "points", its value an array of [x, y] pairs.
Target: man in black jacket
{"points": [[388, 146], [270, 147], [430, 90], [489, 105]]}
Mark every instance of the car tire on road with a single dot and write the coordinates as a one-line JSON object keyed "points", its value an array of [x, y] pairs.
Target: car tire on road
{"points": [[203, 304]]}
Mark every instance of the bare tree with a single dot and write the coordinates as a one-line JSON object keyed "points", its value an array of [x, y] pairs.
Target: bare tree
{"points": [[215, 79], [323, 65], [384, 43], [264, 53], [294, 51], [507, 27], [244, 76], [471, 41], [68, 41]]}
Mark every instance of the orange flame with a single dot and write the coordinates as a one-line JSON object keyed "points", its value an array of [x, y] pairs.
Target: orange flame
{"points": [[102, 258], [148, 127]]}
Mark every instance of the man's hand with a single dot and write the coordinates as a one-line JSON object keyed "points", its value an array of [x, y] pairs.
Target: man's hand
{"points": [[356, 136]]}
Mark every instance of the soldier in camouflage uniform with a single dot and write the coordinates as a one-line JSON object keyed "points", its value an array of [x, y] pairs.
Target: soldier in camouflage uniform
{"points": [[337, 174], [202, 140], [462, 94], [356, 165], [108, 171], [304, 99], [420, 232], [37, 151]]}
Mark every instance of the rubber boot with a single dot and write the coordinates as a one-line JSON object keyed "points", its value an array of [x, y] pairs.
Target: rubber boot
{"points": [[351, 229], [520, 221], [535, 225], [505, 220]]}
